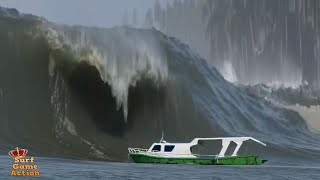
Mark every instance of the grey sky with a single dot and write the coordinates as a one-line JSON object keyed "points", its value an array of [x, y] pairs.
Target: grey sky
{"points": [[103, 13]]}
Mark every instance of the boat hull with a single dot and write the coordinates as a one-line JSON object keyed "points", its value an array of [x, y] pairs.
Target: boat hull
{"points": [[230, 160]]}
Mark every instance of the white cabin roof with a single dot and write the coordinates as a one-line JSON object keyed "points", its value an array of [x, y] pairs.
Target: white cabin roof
{"points": [[184, 148], [234, 139]]}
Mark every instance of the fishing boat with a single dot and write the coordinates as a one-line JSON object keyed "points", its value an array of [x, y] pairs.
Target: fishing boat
{"points": [[183, 153]]}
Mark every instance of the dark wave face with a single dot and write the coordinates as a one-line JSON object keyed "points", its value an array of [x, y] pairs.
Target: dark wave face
{"points": [[90, 93]]}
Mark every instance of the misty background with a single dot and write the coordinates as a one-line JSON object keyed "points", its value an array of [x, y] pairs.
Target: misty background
{"points": [[101, 13]]}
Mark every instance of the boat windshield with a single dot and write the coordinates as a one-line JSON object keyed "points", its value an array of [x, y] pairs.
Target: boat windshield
{"points": [[156, 148]]}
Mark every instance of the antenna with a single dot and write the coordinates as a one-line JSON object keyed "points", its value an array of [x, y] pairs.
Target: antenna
{"points": [[162, 140]]}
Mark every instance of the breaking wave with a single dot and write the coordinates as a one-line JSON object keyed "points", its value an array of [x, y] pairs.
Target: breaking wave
{"points": [[80, 92]]}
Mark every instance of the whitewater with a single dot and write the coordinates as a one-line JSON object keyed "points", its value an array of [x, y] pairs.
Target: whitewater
{"points": [[88, 93]]}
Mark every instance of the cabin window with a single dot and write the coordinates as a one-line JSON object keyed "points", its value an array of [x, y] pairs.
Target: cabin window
{"points": [[156, 148], [168, 148]]}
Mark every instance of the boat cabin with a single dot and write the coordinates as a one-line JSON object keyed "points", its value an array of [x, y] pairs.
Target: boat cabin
{"points": [[180, 149]]}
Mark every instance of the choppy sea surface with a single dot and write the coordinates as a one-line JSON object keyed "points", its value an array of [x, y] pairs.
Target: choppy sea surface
{"points": [[51, 168]]}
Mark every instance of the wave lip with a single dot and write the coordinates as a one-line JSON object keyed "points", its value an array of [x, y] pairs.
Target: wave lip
{"points": [[121, 59]]}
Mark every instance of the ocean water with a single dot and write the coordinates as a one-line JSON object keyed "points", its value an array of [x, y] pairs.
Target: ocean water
{"points": [[51, 168]]}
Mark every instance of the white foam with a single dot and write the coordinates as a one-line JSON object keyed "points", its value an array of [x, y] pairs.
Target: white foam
{"points": [[142, 60], [227, 71], [310, 114], [69, 126], [94, 150]]}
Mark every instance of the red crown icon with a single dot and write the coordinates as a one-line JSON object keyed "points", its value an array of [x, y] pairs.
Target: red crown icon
{"points": [[18, 152]]}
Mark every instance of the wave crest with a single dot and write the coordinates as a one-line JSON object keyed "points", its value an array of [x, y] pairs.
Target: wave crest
{"points": [[122, 60]]}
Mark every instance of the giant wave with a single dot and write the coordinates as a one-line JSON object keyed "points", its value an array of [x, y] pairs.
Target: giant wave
{"points": [[80, 92]]}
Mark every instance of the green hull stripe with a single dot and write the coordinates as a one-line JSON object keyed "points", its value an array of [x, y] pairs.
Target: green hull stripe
{"points": [[230, 160]]}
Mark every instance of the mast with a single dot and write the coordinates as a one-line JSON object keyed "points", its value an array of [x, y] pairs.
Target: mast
{"points": [[162, 138]]}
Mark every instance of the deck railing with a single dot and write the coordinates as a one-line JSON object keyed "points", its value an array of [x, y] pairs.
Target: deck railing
{"points": [[137, 150]]}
